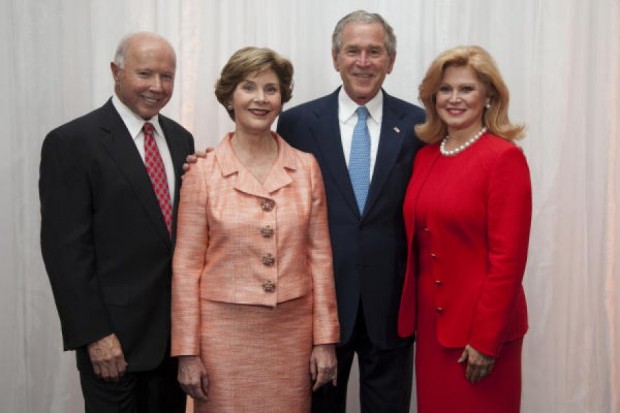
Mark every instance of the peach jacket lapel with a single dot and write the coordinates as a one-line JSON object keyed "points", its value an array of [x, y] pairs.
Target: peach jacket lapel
{"points": [[244, 181]]}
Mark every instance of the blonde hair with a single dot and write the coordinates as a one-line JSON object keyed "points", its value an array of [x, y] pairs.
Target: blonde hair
{"points": [[495, 118], [250, 60]]}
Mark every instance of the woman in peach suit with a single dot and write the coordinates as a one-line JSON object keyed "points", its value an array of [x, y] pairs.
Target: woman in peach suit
{"points": [[467, 214], [254, 319]]}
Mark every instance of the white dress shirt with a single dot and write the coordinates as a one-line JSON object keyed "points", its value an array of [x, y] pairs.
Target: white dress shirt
{"points": [[347, 117], [134, 124]]}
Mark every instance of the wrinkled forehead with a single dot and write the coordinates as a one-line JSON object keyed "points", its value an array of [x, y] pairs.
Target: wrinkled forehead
{"points": [[150, 49], [363, 34]]}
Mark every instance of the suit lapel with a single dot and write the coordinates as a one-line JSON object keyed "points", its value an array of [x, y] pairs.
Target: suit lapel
{"points": [[423, 167], [125, 154], [177, 152], [244, 181], [278, 176], [326, 132], [393, 131]]}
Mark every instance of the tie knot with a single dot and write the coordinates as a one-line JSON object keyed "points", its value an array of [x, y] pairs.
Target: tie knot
{"points": [[148, 128], [362, 113]]}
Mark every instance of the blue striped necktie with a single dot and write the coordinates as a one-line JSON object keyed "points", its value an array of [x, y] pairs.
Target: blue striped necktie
{"points": [[359, 159]]}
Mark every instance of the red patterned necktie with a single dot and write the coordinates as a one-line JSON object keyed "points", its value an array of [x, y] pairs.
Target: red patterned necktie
{"points": [[157, 173]]}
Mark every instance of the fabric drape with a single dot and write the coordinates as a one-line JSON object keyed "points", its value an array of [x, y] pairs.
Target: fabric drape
{"points": [[559, 58]]}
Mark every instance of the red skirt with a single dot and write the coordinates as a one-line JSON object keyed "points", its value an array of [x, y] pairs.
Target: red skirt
{"points": [[440, 380]]}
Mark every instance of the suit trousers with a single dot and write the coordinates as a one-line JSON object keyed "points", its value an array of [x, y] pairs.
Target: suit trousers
{"points": [[153, 391], [385, 376]]}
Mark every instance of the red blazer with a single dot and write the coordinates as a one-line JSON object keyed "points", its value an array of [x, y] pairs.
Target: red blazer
{"points": [[479, 245]]}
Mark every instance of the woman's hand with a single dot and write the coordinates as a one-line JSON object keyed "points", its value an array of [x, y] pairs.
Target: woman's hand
{"points": [[478, 365], [193, 377], [323, 365]]}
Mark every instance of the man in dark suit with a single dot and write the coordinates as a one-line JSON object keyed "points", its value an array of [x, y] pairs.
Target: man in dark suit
{"points": [[368, 238], [108, 186]]}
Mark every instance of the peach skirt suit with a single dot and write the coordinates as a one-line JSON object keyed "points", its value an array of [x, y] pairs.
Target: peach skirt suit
{"points": [[253, 287]]}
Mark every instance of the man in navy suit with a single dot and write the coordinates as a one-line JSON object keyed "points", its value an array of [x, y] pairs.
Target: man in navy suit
{"points": [[369, 245], [106, 235]]}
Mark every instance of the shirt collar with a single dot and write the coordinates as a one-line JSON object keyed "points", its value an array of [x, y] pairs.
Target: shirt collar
{"points": [[347, 107], [278, 176], [132, 121], [230, 164]]}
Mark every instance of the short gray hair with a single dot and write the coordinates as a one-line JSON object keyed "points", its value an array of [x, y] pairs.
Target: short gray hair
{"points": [[121, 50], [363, 17]]}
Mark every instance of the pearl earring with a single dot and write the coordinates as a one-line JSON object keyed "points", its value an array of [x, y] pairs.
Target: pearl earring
{"points": [[488, 106], [229, 107]]}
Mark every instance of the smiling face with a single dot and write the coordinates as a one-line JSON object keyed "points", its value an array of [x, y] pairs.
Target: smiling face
{"points": [[145, 80], [257, 102], [363, 61], [460, 101]]}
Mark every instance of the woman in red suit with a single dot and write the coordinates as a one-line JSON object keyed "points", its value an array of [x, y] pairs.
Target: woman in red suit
{"points": [[467, 214]]}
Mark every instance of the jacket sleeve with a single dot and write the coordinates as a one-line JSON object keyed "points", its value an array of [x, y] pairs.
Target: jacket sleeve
{"points": [[67, 240], [509, 212], [188, 262], [325, 314]]}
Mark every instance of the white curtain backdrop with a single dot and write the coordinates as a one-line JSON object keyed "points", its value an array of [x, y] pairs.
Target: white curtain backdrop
{"points": [[560, 59]]}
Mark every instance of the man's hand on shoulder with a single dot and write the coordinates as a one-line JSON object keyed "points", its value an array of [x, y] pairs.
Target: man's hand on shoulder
{"points": [[107, 358], [193, 158]]}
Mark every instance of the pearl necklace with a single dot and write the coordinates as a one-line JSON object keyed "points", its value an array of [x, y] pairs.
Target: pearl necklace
{"points": [[445, 152]]}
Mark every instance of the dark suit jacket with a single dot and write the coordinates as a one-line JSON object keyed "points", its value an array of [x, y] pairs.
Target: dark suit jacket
{"points": [[369, 250], [104, 241]]}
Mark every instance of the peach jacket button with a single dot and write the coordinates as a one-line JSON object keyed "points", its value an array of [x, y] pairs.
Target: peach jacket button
{"points": [[266, 231], [267, 204], [269, 286], [268, 260]]}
